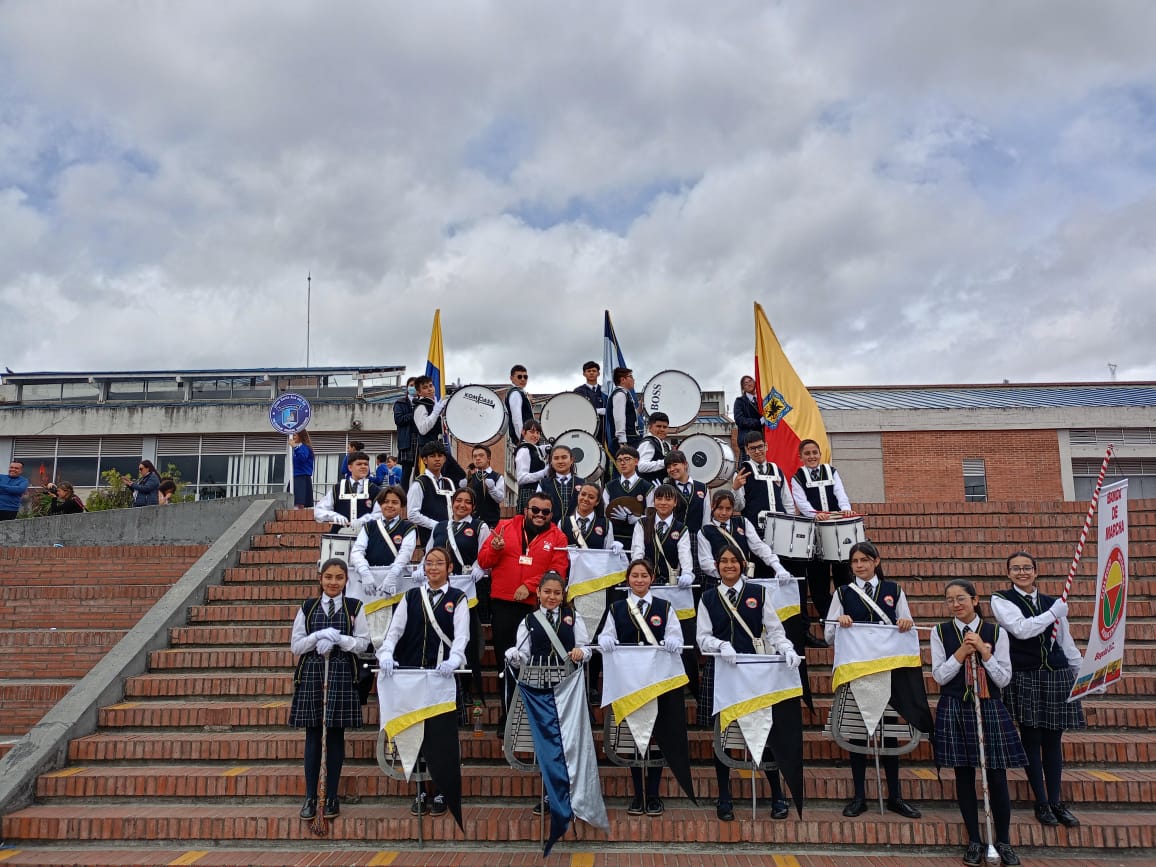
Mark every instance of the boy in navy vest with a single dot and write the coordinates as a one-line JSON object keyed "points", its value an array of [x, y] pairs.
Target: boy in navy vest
{"points": [[519, 410], [622, 412], [653, 448]]}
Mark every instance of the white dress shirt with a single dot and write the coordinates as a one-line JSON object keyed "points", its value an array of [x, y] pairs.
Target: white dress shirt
{"points": [[759, 548], [461, 637], [1009, 616], [375, 576], [773, 630], [902, 609], [944, 668], [416, 499], [495, 487], [301, 642], [323, 512], [799, 495], [515, 400], [789, 507], [648, 461], [581, 638], [685, 564], [522, 466], [673, 629]]}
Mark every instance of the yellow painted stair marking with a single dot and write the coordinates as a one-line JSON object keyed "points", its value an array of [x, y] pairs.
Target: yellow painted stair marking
{"points": [[1106, 776], [924, 773], [190, 857], [234, 772], [382, 858], [745, 773], [9, 853], [785, 861], [276, 704], [123, 705], [67, 772], [582, 859]]}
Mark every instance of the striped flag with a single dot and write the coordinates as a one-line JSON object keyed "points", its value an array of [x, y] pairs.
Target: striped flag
{"points": [[612, 358], [790, 414], [435, 362]]}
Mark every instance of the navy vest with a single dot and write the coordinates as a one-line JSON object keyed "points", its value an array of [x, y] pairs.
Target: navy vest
{"points": [[466, 539], [419, 644], [951, 639], [484, 506], [664, 556], [661, 450], [435, 432], [594, 394], [1033, 654], [820, 493], [857, 609], [656, 617], [540, 645], [342, 505], [377, 552], [564, 499], [632, 437], [537, 462], [527, 411], [762, 494], [342, 620], [691, 508], [435, 505], [749, 608], [623, 530], [596, 532], [716, 539]]}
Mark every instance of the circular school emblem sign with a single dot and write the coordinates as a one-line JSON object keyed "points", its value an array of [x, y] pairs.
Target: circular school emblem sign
{"points": [[290, 413], [1113, 595]]}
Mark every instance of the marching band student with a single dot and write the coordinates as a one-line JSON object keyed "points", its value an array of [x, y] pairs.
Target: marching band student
{"points": [[350, 501], [760, 485], [431, 493], [849, 607], [748, 414], [462, 536], [727, 528], [406, 432], [561, 484], [692, 496], [730, 618], [519, 410], [302, 448], [331, 626], [430, 629], [427, 412], [529, 462], [1043, 671], [653, 448], [622, 412], [587, 528], [627, 484], [818, 492], [591, 389], [620, 625], [489, 486], [351, 448], [384, 546], [953, 643]]}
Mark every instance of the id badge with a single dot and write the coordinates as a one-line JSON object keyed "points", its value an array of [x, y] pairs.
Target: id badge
{"points": [[526, 560]]}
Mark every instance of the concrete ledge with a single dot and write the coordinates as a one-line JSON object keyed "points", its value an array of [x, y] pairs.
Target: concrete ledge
{"points": [[199, 523], [45, 747]]}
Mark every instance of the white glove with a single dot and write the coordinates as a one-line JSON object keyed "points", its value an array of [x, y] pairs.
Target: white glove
{"points": [[324, 646], [418, 573], [786, 579], [685, 581], [514, 657], [446, 668], [388, 587], [606, 643], [621, 513], [387, 665], [792, 659], [340, 521], [332, 634], [728, 653], [601, 410], [439, 405], [477, 573], [672, 644], [365, 575], [616, 547], [1059, 609]]}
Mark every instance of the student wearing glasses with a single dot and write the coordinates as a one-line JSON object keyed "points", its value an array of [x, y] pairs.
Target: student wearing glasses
{"points": [[519, 410]]}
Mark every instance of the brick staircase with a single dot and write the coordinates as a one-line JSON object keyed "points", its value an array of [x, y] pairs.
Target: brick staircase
{"points": [[196, 765], [61, 609]]}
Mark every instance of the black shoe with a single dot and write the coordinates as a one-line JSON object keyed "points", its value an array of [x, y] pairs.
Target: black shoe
{"points": [[332, 808], [544, 801], [973, 857], [1006, 854], [636, 808], [309, 808], [1064, 815], [439, 805], [654, 807], [780, 809], [1045, 816], [419, 807], [811, 641], [856, 808], [725, 811], [904, 809]]}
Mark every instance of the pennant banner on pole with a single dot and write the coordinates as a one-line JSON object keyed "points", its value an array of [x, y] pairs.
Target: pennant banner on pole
{"points": [[1104, 659]]}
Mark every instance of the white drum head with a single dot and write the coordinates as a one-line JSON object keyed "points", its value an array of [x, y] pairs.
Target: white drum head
{"points": [[589, 457], [675, 393], [568, 411], [475, 415], [705, 456]]}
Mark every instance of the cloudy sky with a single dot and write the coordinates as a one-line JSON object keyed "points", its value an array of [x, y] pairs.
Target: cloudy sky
{"points": [[917, 192]]}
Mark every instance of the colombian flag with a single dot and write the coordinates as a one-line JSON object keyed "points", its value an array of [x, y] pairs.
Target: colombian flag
{"points": [[435, 363], [790, 414]]}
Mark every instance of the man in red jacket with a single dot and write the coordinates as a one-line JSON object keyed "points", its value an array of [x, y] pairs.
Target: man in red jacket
{"points": [[518, 553]]}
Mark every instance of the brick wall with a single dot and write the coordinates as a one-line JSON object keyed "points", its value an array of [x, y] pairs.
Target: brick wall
{"points": [[927, 466]]}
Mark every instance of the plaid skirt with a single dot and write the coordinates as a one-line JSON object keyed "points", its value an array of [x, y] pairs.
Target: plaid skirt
{"points": [[704, 718], [343, 709], [1040, 699], [957, 742]]}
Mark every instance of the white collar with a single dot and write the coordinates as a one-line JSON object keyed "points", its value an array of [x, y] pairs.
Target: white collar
{"points": [[1031, 596], [468, 519], [562, 479], [338, 600], [863, 585], [628, 481], [974, 625], [648, 599], [425, 586], [722, 588]]}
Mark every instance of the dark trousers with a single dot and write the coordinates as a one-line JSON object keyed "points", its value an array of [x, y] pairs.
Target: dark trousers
{"points": [[890, 766], [505, 617], [474, 650], [334, 759], [723, 776], [821, 574], [969, 803], [690, 656], [1045, 762], [653, 777]]}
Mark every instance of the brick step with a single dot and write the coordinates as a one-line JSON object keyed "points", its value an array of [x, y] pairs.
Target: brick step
{"points": [[1013, 538], [683, 823], [88, 554], [99, 592], [92, 615], [67, 662], [231, 635], [1101, 713], [254, 574], [1099, 748], [24, 702], [967, 552], [1001, 509], [59, 638], [902, 568], [365, 780]]}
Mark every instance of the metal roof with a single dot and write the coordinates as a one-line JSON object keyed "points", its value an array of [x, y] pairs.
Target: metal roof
{"points": [[23, 378], [986, 396]]}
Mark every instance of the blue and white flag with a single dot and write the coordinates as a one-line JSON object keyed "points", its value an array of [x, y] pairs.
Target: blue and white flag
{"points": [[612, 358], [564, 748]]}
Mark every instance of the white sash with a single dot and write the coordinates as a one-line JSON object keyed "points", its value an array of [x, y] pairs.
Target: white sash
{"points": [[869, 602], [757, 642], [433, 622]]}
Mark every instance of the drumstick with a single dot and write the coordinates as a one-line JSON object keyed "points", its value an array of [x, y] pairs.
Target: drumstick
{"points": [[618, 647], [753, 658], [884, 625], [399, 668]]}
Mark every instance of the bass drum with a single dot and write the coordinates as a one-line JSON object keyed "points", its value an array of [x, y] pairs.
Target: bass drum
{"points": [[589, 456], [476, 415], [675, 393], [712, 461], [565, 412]]}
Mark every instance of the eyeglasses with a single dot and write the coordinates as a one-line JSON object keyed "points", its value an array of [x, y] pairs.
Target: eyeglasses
{"points": [[957, 600], [534, 510], [1022, 570], [521, 376]]}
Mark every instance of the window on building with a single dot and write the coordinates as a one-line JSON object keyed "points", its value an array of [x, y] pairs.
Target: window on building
{"points": [[166, 389], [974, 480], [40, 392], [80, 392], [129, 389], [1140, 473]]}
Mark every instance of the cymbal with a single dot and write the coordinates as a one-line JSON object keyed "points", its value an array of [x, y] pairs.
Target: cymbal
{"points": [[635, 505]]}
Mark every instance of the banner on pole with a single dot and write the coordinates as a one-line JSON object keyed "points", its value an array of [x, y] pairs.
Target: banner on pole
{"points": [[1104, 658]]}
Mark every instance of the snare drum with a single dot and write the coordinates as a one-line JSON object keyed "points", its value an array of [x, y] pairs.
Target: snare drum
{"points": [[336, 545], [589, 456], [675, 393], [476, 415], [790, 536], [712, 461], [836, 538], [568, 411]]}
